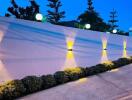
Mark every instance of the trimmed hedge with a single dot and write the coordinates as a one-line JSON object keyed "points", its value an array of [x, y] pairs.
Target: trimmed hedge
{"points": [[61, 77], [31, 84], [48, 81], [75, 73], [12, 89]]}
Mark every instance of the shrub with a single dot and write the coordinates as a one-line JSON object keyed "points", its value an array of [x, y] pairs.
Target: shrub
{"points": [[61, 77], [108, 65], [122, 62], [100, 68], [130, 59], [1, 95], [117, 64], [12, 89], [89, 71], [95, 70], [48, 81], [75, 73], [32, 83]]}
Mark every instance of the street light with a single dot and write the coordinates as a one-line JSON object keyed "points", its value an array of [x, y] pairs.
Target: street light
{"points": [[87, 26], [114, 31], [39, 17]]}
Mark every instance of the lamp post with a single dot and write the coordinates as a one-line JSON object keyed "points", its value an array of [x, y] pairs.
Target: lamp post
{"points": [[39, 17], [114, 31], [87, 26]]}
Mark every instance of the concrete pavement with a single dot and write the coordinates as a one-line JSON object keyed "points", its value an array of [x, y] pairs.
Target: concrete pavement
{"points": [[114, 85]]}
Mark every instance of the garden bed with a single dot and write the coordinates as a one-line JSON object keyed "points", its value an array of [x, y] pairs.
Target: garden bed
{"points": [[31, 84]]}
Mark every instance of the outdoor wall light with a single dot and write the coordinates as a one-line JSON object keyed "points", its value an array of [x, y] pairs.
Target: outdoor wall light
{"points": [[70, 49], [70, 44], [105, 49], [104, 57], [104, 43], [124, 45]]}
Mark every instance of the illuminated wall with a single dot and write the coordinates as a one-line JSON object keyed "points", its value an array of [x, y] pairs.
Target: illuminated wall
{"points": [[104, 57], [70, 60], [4, 74]]}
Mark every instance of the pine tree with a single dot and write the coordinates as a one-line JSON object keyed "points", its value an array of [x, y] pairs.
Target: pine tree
{"points": [[113, 20], [92, 17], [55, 16], [27, 13], [90, 6]]}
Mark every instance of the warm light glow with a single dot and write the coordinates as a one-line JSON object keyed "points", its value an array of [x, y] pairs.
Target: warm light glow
{"points": [[124, 49], [104, 43], [104, 57], [124, 54], [70, 60], [114, 70], [4, 75], [108, 62], [70, 44], [124, 44], [70, 39], [70, 55], [39, 17], [73, 70], [81, 81]]}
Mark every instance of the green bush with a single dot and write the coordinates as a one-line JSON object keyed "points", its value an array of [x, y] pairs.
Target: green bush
{"points": [[130, 59], [117, 64], [12, 89], [108, 65], [32, 84], [48, 81], [122, 62], [61, 77], [75, 73], [95, 70], [100, 68], [1, 94]]}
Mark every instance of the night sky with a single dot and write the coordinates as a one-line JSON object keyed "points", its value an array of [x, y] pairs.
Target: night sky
{"points": [[74, 8]]}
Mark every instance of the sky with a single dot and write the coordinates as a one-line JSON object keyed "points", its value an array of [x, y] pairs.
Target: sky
{"points": [[74, 8]]}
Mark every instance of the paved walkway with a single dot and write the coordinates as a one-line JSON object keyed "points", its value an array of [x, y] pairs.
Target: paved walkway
{"points": [[114, 85]]}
